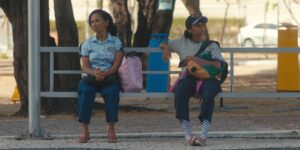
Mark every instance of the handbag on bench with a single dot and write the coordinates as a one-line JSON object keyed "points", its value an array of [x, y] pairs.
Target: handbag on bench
{"points": [[130, 74]]}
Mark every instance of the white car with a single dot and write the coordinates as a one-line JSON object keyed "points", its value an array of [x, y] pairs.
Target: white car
{"points": [[258, 35]]}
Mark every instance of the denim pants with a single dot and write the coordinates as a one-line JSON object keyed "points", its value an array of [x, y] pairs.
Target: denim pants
{"points": [[185, 90], [86, 99]]}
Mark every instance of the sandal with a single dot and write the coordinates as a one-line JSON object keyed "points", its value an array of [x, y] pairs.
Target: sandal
{"points": [[112, 139], [196, 141], [84, 139]]}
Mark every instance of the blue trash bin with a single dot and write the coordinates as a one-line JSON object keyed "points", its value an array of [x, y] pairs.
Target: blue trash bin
{"points": [[157, 82]]}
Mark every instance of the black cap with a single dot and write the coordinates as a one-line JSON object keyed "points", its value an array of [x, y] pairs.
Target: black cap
{"points": [[195, 19]]}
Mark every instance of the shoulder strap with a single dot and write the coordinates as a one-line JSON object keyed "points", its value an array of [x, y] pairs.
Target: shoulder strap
{"points": [[203, 46], [80, 46], [224, 71], [80, 49], [224, 65]]}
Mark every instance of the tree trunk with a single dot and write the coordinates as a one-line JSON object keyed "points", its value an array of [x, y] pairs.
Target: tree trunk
{"points": [[16, 11], [163, 20], [65, 23], [146, 13], [122, 20], [67, 36], [47, 41], [192, 6]]}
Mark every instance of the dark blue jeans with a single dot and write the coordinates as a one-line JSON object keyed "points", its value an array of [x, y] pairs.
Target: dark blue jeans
{"points": [[86, 99], [186, 89]]}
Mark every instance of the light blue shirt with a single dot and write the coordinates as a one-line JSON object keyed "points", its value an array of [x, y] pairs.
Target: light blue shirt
{"points": [[101, 54]]}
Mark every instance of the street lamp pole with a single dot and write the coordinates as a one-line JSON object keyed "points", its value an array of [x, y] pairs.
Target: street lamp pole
{"points": [[34, 68], [34, 79]]}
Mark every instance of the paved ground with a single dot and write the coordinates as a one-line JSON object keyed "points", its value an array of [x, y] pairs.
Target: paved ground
{"points": [[240, 124], [169, 143], [158, 130]]}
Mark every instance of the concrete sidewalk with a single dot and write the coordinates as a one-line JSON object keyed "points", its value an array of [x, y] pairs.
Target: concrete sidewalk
{"points": [[234, 127], [253, 140], [251, 124]]}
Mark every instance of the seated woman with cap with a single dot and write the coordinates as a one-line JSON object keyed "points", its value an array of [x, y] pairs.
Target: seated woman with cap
{"points": [[187, 46]]}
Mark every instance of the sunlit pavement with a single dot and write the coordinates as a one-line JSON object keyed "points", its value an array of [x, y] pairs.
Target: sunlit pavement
{"points": [[162, 141]]}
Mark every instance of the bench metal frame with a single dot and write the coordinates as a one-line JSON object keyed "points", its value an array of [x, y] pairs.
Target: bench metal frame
{"points": [[226, 94], [34, 49]]}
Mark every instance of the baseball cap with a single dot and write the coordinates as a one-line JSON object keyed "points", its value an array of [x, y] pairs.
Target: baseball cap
{"points": [[195, 19]]}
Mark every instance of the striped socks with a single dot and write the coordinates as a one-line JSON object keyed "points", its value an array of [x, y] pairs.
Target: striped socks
{"points": [[187, 129], [205, 127]]}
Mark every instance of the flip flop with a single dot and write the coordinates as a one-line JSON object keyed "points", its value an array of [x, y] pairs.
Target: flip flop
{"points": [[202, 141], [196, 141], [84, 139], [112, 139]]}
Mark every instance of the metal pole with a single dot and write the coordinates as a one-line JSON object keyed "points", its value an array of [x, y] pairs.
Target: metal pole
{"points": [[231, 72], [34, 67]]}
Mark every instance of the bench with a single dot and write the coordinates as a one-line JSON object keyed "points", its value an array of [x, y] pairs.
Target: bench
{"points": [[224, 94]]}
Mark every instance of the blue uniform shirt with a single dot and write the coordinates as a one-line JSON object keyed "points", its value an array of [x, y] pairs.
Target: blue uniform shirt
{"points": [[101, 54]]}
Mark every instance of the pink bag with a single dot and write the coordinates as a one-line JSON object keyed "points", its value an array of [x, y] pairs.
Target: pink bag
{"points": [[130, 73]]}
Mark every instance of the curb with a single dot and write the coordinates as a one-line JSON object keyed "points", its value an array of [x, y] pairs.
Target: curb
{"points": [[271, 134]]}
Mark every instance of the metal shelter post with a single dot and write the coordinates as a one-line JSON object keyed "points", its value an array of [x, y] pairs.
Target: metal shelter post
{"points": [[34, 67]]}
